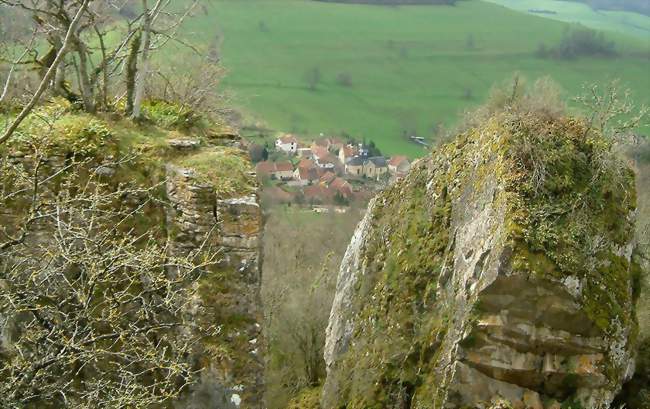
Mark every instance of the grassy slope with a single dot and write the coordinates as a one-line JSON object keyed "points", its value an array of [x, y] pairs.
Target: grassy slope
{"points": [[418, 82], [633, 24]]}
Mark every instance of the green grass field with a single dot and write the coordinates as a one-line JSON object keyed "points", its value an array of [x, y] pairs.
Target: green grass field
{"points": [[409, 68], [633, 24]]}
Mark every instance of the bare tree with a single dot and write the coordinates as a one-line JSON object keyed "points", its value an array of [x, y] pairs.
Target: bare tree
{"points": [[48, 75], [93, 313], [76, 31], [301, 259], [150, 16], [611, 110], [167, 32]]}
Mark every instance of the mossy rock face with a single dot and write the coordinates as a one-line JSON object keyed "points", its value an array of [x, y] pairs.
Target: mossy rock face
{"points": [[636, 392], [306, 399], [199, 195], [500, 267]]}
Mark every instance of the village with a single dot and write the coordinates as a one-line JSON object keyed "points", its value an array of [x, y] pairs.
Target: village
{"points": [[328, 172]]}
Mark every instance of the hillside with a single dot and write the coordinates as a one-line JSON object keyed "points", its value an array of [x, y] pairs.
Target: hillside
{"points": [[385, 73], [616, 17], [637, 6], [391, 2]]}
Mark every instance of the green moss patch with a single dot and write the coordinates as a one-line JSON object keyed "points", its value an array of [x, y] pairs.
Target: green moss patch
{"points": [[568, 202], [169, 115], [228, 169], [307, 399]]}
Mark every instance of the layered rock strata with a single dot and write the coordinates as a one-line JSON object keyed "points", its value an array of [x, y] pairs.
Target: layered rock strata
{"points": [[499, 272]]}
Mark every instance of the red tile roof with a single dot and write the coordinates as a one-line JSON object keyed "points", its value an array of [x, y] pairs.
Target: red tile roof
{"points": [[288, 139], [342, 186], [319, 192], [322, 143], [350, 151], [328, 178], [284, 167], [309, 174], [306, 163], [397, 160], [319, 152], [265, 167]]}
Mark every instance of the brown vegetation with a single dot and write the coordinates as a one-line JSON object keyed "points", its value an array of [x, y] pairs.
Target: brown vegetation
{"points": [[302, 254]]}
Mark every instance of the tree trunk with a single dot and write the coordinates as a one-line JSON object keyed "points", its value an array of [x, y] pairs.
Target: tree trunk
{"points": [[45, 82], [141, 80], [131, 72], [103, 65], [87, 93]]}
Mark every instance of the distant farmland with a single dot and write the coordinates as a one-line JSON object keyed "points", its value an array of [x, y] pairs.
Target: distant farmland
{"points": [[385, 73], [391, 2]]}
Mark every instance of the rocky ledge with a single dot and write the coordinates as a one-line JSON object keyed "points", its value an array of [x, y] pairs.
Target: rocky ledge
{"points": [[499, 273]]}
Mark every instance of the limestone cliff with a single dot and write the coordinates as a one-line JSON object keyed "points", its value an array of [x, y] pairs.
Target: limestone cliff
{"points": [[498, 272], [207, 196], [204, 202]]}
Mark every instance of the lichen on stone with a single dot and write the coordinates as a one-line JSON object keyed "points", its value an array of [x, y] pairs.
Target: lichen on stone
{"points": [[513, 243]]}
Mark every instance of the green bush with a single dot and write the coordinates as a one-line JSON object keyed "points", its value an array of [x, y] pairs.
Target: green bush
{"points": [[80, 134], [171, 116]]}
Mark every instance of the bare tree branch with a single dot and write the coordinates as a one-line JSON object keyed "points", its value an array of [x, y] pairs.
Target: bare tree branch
{"points": [[48, 76]]}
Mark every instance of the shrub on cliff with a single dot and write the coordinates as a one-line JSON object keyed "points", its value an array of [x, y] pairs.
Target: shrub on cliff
{"points": [[96, 310], [92, 314]]}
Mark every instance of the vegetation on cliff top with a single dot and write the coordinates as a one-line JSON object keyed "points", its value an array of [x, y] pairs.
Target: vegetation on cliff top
{"points": [[569, 202], [99, 178]]}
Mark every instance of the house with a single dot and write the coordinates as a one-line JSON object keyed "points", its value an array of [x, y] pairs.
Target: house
{"points": [[321, 143], [342, 187], [329, 162], [399, 165], [364, 152], [323, 158], [305, 153], [347, 152], [287, 143], [335, 145], [265, 168], [354, 166], [319, 152], [319, 194], [305, 175], [375, 167], [283, 170], [327, 178], [306, 163]]}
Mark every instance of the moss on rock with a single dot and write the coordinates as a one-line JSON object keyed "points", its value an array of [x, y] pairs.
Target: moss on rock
{"points": [[558, 206], [308, 398], [115, 151], [228, 169]]}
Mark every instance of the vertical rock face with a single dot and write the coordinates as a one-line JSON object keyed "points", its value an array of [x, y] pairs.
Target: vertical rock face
{"points": [[211, 203], [202, 214], [500, 271]]}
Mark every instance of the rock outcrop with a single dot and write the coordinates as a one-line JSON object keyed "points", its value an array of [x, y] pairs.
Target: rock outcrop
{"points": [[231, 220], [498, 273], [207, 199]]}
